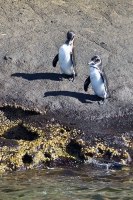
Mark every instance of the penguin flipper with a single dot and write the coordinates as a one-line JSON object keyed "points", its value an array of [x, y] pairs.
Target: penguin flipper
{"points": [[74, 61], [86, 83], [105, 81], [55, 60], [103, 76]]}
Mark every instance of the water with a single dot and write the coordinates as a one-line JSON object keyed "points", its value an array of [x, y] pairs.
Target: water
{"points": [[82, 182]]}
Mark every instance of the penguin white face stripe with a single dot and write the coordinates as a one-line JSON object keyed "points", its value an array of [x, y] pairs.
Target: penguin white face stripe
{"points": [[90, 63]]}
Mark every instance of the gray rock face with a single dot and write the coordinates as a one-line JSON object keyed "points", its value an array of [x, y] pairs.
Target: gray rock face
{"points": [[31, 33]]}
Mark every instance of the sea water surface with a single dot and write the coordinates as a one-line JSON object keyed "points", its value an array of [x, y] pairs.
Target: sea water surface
{"points": [[82, 182]]}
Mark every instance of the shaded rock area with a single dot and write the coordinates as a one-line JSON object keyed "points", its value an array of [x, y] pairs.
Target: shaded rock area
{"points": [[47, 122]]}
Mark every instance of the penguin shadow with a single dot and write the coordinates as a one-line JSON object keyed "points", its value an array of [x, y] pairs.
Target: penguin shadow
{"points": [[37, 76], [82, 97]]}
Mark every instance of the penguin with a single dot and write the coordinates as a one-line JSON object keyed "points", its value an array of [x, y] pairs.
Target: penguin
{"points": [[66, 57], [97, 79]]}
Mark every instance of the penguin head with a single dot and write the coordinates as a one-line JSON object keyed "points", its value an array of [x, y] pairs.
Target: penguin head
{"points": [[70, 36], [95, 60]]}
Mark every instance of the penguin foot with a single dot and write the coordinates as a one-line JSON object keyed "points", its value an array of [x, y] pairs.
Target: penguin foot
{"points": [[101, 102], [61, 78], [68, 77], [71, 79]]}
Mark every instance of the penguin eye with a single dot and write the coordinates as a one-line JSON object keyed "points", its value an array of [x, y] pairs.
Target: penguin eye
{"points": [[72, 37]]}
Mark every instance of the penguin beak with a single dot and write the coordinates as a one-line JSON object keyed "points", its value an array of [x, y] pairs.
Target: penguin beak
{"points": [[91, 63]]}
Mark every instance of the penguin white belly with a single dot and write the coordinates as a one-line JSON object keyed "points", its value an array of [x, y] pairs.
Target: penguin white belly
{"points": [[97, 83], [65, 59]]}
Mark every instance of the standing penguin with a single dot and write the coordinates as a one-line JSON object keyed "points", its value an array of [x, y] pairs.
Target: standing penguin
{"points": [[66, 57], [97, 79]]}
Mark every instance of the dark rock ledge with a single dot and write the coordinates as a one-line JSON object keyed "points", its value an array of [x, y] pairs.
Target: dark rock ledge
{"points": [[30, 140]]}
